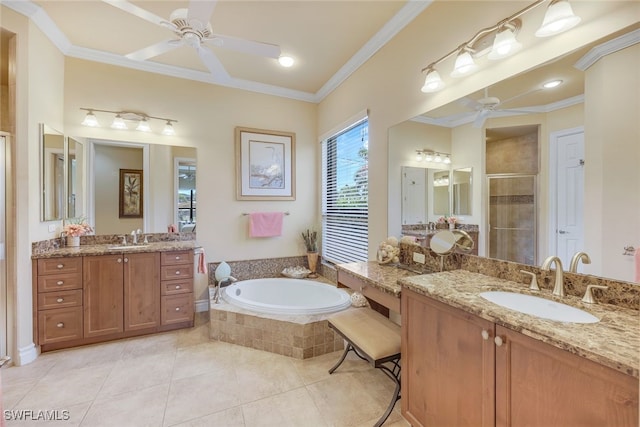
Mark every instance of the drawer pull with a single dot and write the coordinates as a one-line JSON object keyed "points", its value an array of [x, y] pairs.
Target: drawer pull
{"points": [[59, 282], [177, 257], [60, 266], [177, 286], [177, 308], [119, 259], [178, 273], [60, 325], [60, 299], [485, 334], [499, 341], [126, 260]]}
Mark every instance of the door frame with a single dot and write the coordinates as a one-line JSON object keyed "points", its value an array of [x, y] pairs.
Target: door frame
{"points": [[552, 224]]}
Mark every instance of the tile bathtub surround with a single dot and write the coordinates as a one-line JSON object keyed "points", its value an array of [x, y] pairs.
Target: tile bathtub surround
{"points": [[258, 268], [300, 337], [622, 294]]}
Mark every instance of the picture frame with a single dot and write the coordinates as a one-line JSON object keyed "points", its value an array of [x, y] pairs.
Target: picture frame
{"points": [[131, 193], [265, 164]]}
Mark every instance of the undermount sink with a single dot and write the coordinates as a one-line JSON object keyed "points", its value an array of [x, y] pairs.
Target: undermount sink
{"points": [[122, 247], [540, 307]]}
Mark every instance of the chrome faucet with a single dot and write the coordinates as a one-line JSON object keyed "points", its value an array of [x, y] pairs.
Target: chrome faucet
{"points": [[558, 289], [577, 257], [134, 236], [216, 293]]}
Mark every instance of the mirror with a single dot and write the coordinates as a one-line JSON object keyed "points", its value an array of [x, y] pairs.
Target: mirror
{"points": [[52, 174], [440, 188], [168, 181], [570, 106], [75, 160], [414, 195], [461, 191]]}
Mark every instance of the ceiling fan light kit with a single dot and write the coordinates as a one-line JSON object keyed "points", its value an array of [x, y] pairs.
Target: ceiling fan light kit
{"points": [[122, 117], [559, 17]]}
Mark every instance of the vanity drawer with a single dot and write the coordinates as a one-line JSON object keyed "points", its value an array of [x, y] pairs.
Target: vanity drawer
{"points": [[176, 309], [59, 282], [176, 257], [174, 272], [61, 299], [60, 265], [61, 324], [172, 287]]}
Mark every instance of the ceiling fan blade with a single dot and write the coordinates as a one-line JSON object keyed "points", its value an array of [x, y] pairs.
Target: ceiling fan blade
{"points": [[480, 118], [201, 10], [154, 50], [212, 62], [248, 46], [137, 11]]}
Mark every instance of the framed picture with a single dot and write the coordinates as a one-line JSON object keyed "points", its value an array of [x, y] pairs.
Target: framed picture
{"points": [[265, 168], [131, 193]]}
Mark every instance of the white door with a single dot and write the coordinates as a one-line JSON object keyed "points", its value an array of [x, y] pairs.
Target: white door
{"points": [[569, 195], [414, 206]]}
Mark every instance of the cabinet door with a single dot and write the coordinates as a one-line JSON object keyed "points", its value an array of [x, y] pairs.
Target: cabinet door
{"points": [[447, 365], [541, 385], [141, 290], [103, 295]]}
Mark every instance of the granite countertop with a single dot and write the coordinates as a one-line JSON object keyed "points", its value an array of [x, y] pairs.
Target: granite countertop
{"points": [[381, 277], [111, 248], [613, 342]]}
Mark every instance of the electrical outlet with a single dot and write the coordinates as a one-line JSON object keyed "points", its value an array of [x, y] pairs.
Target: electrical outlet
{"points": [[419, 258], [52, 228]]}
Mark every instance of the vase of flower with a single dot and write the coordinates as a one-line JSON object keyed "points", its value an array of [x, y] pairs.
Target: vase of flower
{"points": [[73, 241], [312, 259], [311, 243]]}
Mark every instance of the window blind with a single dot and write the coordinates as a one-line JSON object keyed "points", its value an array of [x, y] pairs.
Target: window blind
{"points": [[345, 195]]}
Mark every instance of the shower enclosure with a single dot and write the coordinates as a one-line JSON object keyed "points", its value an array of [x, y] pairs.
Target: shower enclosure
{"points": [[512, 217]]}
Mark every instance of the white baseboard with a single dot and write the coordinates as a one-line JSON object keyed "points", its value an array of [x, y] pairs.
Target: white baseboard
{"points": [[202, 305], [27, 354]]}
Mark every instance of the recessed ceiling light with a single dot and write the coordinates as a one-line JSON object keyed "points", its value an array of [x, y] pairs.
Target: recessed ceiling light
{"points": [[552, 84], [285, 61]]}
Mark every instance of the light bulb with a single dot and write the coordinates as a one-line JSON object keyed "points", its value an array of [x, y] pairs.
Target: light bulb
{"points": [[438, 158], [558, 18], [429, 157], [447, 160], [419, 156], [143, 126], [286, 61], [552, 84], [464, 65], [168, 129], [433, 82], [90, 120], [118, 123], [505, 44]]}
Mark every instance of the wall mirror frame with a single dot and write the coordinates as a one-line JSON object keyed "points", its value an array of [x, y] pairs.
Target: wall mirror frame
{"points": [[402, 146], [52, 174]]}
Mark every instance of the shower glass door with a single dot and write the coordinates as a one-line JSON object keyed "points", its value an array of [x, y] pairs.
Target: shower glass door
{"points": [[512, 218]]}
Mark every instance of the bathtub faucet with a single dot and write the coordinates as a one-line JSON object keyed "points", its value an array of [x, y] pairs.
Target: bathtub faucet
{"points": [[219, 284]]}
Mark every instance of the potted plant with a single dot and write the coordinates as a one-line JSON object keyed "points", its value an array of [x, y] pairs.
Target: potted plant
{"points": [[311, 243], [74, 228]]}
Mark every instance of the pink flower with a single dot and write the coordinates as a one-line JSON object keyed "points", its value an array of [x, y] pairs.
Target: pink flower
{"points": [[76, 230]]}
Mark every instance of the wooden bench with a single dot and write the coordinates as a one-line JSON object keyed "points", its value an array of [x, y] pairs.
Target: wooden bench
{"points": [[374, 338]]}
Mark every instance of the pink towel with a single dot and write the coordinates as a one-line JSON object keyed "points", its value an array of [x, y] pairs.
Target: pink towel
{"points": [[638, 264], [202, 265], [265, 224], [172, 228]]}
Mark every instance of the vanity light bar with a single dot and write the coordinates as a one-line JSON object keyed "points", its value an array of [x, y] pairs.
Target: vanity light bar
{"points": [[558, 18], [141, 119], [433, 156]]}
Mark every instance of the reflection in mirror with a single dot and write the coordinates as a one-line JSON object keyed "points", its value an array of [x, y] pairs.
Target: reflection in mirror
{"points": [[75, 178], [461, 193], [440, 192], [52, 167], [186, 178], [414, 195]]}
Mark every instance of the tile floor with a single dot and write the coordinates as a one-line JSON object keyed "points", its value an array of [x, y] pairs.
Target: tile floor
{"points": [[182, 378]]}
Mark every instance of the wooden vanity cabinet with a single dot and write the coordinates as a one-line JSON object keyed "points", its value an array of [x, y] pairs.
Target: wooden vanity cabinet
{"points": [[141, 291], [103, 285], [57, 300], [176, 302], [455, 372]]}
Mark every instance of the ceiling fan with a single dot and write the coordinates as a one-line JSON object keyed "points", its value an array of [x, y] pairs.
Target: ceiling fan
{"points": [[192, 28], [489, 106]]}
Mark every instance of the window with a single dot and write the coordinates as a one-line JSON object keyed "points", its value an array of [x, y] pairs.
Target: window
{"points": [[345, 195], [186, 197]]}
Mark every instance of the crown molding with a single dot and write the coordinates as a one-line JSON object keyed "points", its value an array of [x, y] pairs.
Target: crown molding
{"points": [[404, 16], [607, 48]]}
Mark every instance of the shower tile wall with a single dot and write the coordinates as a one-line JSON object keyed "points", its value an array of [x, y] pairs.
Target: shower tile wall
{"points": [[512, 204]]}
